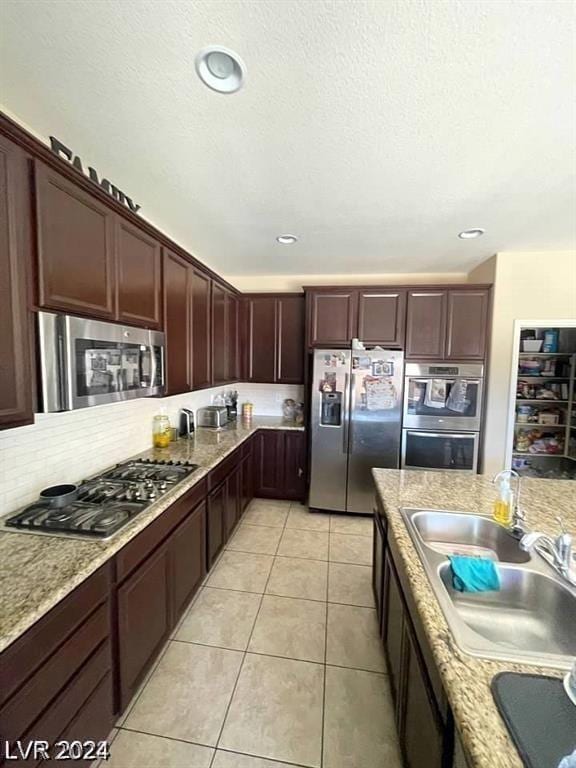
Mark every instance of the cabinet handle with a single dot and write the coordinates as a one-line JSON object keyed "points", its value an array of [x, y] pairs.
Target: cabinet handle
{"points": [[300, 471]]}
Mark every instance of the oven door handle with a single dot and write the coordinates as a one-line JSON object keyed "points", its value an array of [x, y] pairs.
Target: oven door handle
{"points": [[457, 435]]}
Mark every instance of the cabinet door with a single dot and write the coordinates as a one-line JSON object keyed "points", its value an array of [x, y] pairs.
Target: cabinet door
{"points": [[332, 318], [467, 324], [290, 340], [216, 516], [138, 276], [75, 247], [177, 289], [422, 732], [232, 502], [188, 557], [378, 568], [393, 630], [294, 465], [201, 330], [144, 620], [261, 339], [232, 324], [426, 325], [269, 464], [381, 316], [219, 335], [247, 480], [16, 407]]}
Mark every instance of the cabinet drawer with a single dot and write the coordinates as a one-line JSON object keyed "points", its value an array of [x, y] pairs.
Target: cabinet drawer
{"points": [[220, 473], [33, 698], [147, 540], [93, 722], [21, 659], [71, 700]]}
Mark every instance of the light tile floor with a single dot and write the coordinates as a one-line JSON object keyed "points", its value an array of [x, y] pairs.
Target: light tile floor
{"points": [[277, 662]]}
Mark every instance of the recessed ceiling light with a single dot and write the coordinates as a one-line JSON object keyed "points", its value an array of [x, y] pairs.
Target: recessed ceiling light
{"points": [[470, 234], [220, 69], [287, 239]]}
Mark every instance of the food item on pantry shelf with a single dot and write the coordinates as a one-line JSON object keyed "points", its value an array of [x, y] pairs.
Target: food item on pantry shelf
{"points": [[549, 417], [550, 340], [524, 413], [522, 442]]}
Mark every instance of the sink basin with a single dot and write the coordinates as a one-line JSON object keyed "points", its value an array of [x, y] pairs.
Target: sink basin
{"points": [[532, 618], [453, 533], [531, 612]]}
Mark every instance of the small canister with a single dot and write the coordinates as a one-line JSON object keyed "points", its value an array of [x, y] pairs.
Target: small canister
{"points": [[523, 414], [247, 411]]}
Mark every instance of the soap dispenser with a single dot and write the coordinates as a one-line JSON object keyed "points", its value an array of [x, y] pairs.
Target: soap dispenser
{"points": [[503, 510]]}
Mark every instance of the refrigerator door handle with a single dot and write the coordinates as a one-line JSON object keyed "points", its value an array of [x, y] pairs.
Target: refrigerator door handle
{"points": [[346, 413], [352, 388]]}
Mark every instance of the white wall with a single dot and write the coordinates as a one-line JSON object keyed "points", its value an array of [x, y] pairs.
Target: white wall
{"points": [[526, 285], [67, 447], [263, 283]]}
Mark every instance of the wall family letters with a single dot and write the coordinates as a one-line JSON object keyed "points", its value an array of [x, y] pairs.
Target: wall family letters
{"points": [[62, 151]]}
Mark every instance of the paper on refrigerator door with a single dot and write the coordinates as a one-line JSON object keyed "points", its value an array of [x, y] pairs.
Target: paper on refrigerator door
{"points": [[380, 393]]}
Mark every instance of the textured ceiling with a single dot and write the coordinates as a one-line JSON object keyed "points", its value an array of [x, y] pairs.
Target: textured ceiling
{"points": [[376, 131]]}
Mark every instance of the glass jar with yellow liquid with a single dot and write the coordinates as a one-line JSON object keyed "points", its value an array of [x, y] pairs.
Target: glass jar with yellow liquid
{"points": [[161, 431]]}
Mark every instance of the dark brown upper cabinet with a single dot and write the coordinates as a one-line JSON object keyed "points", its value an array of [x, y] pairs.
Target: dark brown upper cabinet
{"points": [[467, 324], [426, 324], [275, 338], [138, 276], [16, 399], [232, 337], [201, 330], [261, 334], [381, 316], [448, 324], [76, 247], [177, 326], [332, 318], [290, 339], [219, 335]]}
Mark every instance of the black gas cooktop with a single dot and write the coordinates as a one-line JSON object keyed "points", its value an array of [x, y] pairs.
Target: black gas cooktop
{"points": [[106, 502]]}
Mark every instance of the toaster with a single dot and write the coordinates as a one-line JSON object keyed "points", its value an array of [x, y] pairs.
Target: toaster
{"points": [[214, 416]]}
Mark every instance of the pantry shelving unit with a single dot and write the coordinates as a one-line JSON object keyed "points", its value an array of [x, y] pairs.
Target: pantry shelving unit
{"points": [[563, 431]]}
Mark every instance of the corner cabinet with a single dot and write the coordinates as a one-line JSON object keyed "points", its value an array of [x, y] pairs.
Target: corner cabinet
{"points": [[279, 464], [274, 332], [16, 394]]}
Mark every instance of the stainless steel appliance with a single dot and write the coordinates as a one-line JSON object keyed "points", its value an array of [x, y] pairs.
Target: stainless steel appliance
{"points": [[186, 427], [355, 425], [104, 503], [214, 416], [90, 362], [442, 415]]}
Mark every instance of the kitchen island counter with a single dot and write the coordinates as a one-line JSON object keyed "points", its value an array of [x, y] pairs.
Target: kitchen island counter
{"points": [[466, 679], [38, 570]]}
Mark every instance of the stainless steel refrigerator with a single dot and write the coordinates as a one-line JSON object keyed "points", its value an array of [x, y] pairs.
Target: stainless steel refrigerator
{"points": [[356, 410]]}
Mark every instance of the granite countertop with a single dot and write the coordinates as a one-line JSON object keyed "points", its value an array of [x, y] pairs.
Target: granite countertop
{"points": [[37, 571], [466, 678]]}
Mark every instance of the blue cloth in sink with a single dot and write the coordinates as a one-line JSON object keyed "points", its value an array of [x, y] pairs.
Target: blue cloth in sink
{"points": [[474, 574]]}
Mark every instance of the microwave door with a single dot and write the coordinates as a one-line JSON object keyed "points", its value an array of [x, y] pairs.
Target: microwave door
{"points": [[419, 413]]}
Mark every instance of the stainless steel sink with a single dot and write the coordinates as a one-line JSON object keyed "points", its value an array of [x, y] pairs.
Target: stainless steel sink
{"points": [[455, 533], [532, 618]]}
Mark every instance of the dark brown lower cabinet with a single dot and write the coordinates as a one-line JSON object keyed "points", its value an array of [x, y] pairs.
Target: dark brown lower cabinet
{"points": [[247, 479], [143, 620], [233, 500], [217, 503], [423, 718], [378, 543], [421, 727], [188, 559], [279, 464]]}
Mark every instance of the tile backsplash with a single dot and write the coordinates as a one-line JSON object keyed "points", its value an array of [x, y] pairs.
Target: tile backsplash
{"points": [[66, 447]]}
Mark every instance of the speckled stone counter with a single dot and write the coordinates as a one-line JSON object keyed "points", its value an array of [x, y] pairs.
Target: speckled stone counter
{"points": [[467, 679], [37, 571]]}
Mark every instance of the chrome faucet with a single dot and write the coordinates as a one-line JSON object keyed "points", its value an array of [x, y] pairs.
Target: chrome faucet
{"points": [[556, 551], [518, 516]]}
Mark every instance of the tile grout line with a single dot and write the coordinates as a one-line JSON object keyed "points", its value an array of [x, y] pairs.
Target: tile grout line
{"points": [[247, 644], [325, 649]]}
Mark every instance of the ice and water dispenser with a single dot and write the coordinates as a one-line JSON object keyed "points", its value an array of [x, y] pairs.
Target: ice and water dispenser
{"points": [[331, 411]]}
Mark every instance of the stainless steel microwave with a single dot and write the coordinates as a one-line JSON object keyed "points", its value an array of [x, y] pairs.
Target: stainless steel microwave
{"points": [[90, 362]]}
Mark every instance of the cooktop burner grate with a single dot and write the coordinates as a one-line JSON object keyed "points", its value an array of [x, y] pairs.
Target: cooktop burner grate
{"points": [[106, 502]]}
